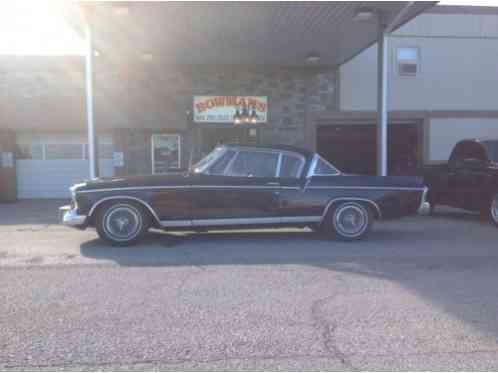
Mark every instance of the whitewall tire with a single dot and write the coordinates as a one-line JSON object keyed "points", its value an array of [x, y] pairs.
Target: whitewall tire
{"points": [[122, 223], [350, 221], [493, 209]]}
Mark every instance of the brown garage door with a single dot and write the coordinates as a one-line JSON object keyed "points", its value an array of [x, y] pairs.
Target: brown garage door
{"points": [[352, 148]]}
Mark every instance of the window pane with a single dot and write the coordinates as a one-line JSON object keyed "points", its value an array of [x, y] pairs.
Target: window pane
{"points": [[256, 164], [219, 167], [407, 54], [290, 166], [324, 168], [63, 151], [29, 151], [166, 153]]}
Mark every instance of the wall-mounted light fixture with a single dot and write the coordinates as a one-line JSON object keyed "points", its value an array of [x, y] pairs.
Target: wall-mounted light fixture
{"points": [[313, 58], [364, 15]]}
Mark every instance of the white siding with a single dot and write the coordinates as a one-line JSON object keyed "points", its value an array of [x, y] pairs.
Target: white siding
{"points": [[445, 133], [52, 178], [458, 72]]}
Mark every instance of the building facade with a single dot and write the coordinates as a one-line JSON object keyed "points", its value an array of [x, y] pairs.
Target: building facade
{"points": [[144, 115], [443, 78]]}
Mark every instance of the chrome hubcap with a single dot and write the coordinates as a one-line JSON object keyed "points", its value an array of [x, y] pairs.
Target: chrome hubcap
{"points": [[122, 223], [350, 220]]}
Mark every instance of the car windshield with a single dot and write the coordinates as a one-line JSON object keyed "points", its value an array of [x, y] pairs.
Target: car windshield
{"points": [[203, 165]]}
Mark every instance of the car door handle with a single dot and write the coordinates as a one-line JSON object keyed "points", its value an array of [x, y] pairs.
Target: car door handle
{"points": [[273, 183]]}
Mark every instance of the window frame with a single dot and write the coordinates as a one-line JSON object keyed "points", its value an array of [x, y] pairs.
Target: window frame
{"points": [[398, 61], [179, 137], [314, 161], [280, 162]]}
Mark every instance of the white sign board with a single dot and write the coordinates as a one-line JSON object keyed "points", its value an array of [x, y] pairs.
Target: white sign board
{"points": [[221, 109]]}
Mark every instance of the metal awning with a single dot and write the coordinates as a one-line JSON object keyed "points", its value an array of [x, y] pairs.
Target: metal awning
{"points": [[248, 33]]}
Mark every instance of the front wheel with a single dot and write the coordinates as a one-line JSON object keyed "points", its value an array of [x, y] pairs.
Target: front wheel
{"points": [[122, 223], [350, 221]]}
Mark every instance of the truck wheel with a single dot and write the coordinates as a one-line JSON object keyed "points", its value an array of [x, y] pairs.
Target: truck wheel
{"points": [[122, 223], [350, 221], [493, 209]]}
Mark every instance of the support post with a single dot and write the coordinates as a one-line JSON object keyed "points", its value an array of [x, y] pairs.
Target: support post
{"points": [[92, 140], [382, 94]]}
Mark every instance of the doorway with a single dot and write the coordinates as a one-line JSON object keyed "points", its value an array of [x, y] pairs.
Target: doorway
{"points": [[352, 148]]}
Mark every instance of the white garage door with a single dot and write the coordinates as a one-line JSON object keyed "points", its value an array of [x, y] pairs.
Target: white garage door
{"points": [[46, 168]]}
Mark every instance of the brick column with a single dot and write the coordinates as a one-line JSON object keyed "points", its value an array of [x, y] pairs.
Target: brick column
{"points": [[8, 181]]}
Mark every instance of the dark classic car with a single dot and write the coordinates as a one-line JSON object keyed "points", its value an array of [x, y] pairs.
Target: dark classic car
{"points": [[469, 180], [244, 186]]}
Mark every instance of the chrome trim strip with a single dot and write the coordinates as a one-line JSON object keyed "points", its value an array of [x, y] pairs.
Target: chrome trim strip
{"points": [[352, 199], [424, 207], [366, 187], [239, 221], [188, 187], [176, 223], [133, 188], [301, 219], [151, 210], [244, 187], [279, 164], [235, 221], [314, 161]]}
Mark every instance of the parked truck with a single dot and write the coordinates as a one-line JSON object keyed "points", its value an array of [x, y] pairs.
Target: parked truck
{"points": [[469, 180]]}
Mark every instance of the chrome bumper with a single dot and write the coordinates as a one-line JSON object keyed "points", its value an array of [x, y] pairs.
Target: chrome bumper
{"points": [[425, 207], [70, 218]]}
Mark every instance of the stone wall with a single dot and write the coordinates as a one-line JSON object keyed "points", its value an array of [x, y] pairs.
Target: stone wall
{"points": [[47, 94]]}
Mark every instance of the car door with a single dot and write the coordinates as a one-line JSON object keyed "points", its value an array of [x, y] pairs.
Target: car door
{"points": [[244, 191], [467, 182], [299, 203]]}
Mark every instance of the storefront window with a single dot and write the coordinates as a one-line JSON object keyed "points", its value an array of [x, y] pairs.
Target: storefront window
{"points": [[63, 151], [165, 153], [29, 151]]}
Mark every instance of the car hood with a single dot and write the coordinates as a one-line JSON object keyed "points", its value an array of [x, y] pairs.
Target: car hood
{"points": [[173, 179]]}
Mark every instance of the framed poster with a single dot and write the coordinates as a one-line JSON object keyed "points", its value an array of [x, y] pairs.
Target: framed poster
{"points": [[166, 153]]}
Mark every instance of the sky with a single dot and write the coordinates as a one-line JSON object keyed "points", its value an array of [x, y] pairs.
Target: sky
{"points": [[37, 27]]}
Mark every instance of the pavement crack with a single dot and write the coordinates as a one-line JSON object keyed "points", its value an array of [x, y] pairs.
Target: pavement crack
{"points": [[327, 330]]}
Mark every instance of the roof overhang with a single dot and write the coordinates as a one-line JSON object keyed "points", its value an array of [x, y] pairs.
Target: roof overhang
{"points": [[241, 33]]}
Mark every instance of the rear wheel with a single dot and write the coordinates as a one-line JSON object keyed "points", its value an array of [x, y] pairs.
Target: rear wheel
{"points": [[493, 209], [350, 221], [122, 223]]}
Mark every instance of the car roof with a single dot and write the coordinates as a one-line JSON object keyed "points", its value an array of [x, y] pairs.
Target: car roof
{"points": [[278, 147], [480, 139]]}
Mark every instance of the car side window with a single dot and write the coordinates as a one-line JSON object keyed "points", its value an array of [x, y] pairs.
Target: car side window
{"points": [[221, 164], [323, 168], [291, 166], [254, 164]]}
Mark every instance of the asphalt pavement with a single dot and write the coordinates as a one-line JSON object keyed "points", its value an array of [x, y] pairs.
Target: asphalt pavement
{"points": [[420, 294]]}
